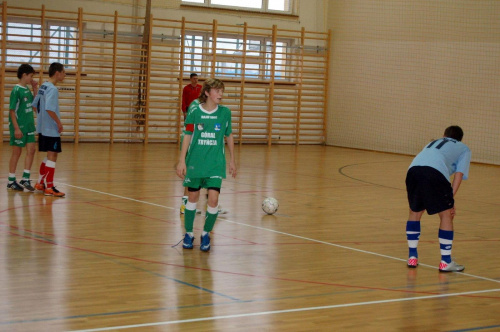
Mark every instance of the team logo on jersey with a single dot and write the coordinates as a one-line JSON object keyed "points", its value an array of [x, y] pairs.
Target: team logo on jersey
{"points": [[217, 127], [200, 126]]}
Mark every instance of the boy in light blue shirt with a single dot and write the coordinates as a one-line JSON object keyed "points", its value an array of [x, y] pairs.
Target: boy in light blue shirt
{"points": [[429, 188], [49, 128]]}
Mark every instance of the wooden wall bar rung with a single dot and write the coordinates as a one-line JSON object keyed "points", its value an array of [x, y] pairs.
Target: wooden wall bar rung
{"points": [[278, 89]]}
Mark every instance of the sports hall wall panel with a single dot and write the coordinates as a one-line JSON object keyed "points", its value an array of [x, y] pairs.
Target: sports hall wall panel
{"points": [[402, 71], [124, 84]]}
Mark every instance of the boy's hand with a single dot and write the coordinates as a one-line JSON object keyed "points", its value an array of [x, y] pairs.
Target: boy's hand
{"points": [[181, 169], [60, 128], [232, 169], [18, 134], [34, 84]]}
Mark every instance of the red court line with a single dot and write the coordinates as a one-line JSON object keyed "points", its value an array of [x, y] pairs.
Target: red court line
{"points": [[241, 274], [115, 209]]}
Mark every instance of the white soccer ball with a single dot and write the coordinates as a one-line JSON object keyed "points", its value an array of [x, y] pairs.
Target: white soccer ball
{"points": [[270, 205]]}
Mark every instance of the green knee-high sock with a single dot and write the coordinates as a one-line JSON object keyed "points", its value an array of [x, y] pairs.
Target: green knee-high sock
{"points": [[189, 217], [210, 219]]}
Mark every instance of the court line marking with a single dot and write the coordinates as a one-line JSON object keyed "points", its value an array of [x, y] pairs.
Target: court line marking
{"points": [[282, 233], [261, 313]]}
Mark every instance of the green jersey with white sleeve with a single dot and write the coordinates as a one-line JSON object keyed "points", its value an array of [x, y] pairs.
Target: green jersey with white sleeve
{"points": [[20, 101], [206, 156]]}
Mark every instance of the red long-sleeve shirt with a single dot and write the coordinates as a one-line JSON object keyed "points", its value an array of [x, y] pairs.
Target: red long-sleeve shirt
{"points": [[189, 93]]}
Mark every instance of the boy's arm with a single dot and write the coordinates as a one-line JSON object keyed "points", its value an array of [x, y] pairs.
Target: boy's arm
{"points": [[54, 117], [181, 165], [34, 85], [17, 131], [230, 147], [457, 180]]}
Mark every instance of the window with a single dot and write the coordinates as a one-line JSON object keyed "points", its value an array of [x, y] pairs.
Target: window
{"points": [[260, 5], [62, 45], [24, 44], [229, 56]]}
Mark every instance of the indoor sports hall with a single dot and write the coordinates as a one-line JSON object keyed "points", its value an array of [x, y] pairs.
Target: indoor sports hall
{"points": [[330, 102]]}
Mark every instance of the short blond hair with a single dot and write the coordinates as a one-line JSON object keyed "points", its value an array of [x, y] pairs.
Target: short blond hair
{"points": [[211, 83]]}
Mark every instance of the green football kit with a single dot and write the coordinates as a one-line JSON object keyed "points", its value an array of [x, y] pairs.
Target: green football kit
{"points": [[206, 159], [20, 101]]}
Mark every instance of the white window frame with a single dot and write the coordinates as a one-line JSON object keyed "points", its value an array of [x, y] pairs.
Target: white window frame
{"points": [[48, 53], [261, 59], [264, 8]]}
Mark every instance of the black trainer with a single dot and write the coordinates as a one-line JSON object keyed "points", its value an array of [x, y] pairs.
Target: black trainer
{"points": [[14, 186], [27, 184]]}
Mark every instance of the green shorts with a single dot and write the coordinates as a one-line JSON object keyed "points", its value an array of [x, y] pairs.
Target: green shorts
{"points": [[198, 183], [21, 142]]}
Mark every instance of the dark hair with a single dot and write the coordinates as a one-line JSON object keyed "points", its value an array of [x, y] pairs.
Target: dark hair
{"points": [[24, 69], [192, 75], [55, 67], [454, 132], [211, 83]]}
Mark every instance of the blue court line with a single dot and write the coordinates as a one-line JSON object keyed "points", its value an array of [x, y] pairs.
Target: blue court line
{"points": [[175, 308], [477, 328], [141, 269], [104, 314]]}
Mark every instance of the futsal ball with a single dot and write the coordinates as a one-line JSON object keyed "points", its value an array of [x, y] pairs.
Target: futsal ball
{"points": [[270, 205]]}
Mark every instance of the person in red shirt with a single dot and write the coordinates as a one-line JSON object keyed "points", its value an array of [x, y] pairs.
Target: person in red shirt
{"points": [[190, 93]]}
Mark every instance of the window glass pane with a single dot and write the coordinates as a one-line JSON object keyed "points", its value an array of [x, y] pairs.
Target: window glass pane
{"points": [[283, 5], [27, 52], [193, 54], [253, 47], [252, 70], [62, 46], [228, 45], [279, 62], [244, 4]]}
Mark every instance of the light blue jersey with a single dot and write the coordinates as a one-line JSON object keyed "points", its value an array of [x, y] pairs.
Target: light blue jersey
{"points": [[447, 155], [47, 99]]}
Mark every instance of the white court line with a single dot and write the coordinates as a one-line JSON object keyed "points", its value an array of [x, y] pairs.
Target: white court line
{"points": [[287, 311], [118, 196], [282, 233]]}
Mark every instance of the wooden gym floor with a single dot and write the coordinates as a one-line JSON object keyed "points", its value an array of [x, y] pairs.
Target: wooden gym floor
{"points": [[332, 258]]}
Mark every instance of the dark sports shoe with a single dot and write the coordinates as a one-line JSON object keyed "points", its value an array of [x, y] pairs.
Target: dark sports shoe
{"points": [[14, 186], [27, 185], [188, 241], [205, 242]]}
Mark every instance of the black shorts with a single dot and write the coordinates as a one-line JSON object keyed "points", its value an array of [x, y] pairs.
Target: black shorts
{"points": [[429, 190], [49, 143]]}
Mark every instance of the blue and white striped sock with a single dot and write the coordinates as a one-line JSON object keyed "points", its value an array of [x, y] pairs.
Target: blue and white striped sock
{"points": [[445, 243], [413, 235]]}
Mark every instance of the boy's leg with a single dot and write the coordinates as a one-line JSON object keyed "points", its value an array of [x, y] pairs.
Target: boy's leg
{"points": [[189, 215], [446, 241], [212, 210], [30, 155], [50, 168], [14, 158], [210, 215], [184, 200], [413, 236], [40, 184], [28, 162]]}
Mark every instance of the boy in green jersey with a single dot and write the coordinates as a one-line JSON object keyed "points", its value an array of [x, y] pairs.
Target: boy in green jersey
{"points": [[202, 161], [22, 127]]}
